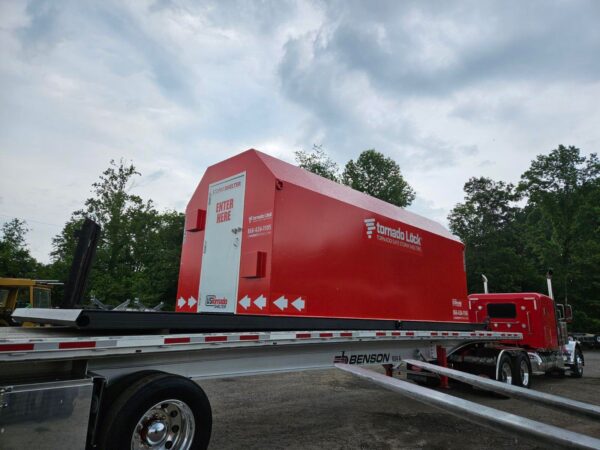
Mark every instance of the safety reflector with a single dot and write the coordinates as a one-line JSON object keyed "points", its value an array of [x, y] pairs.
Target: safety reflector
{"points": [[76, 344], [15, 347]]}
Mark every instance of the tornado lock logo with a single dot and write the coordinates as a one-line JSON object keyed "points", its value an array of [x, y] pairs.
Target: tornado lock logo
{"points": [[370, 224]]}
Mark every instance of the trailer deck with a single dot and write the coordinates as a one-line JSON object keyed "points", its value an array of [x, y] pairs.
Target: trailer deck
{"points": [[201, 355], [66, 365]]}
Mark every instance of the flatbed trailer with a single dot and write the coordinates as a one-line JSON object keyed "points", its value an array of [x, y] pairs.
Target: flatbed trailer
{"points": [[70, 388]]}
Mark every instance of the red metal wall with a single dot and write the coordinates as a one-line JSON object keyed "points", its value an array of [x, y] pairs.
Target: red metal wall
{"points": [[320, 259]]}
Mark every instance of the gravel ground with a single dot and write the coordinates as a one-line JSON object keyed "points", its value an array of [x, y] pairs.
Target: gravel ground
{"points": [[334, 410]]}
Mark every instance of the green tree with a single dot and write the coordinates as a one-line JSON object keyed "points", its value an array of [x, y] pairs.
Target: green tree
{"points": [[557, 227], [139, 248], [378, 176], [318, 162], [563, 223], [489, 224], [15, 259]]}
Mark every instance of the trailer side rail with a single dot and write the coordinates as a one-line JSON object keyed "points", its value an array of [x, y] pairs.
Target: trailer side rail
{"points": [[39, 347]]}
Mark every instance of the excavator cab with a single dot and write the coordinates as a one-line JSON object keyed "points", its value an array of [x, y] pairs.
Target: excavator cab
{"points": [[23, 293], [27, 293]]}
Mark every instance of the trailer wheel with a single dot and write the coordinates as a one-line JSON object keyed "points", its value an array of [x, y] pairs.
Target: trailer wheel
{"points": [[523, 372], [505, 369], [577, 368], [158, 411]]}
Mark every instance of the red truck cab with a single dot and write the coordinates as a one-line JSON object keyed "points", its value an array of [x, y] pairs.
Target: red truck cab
{"points": [[533, 314]]}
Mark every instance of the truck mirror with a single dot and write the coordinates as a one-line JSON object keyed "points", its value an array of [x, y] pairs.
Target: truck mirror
{"points": [[568, 314], [560, 311]]}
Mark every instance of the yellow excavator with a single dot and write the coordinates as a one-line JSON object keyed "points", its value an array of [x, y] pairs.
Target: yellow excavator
{"points": [[23, 293], [27, 293]]}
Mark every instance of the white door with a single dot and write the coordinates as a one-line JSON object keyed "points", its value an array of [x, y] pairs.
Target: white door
{"points": [[222, 245]]}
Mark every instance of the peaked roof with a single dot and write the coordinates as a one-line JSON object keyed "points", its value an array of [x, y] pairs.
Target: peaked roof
{"points": [[301, 177]]}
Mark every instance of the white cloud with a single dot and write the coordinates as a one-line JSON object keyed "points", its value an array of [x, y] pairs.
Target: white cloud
{"points": [[450, 90]]}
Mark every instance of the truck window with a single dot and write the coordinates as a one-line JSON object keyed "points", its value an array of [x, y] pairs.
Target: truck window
{"points": [[41, 298], [502, 310], [3, 297], [23, 298]]}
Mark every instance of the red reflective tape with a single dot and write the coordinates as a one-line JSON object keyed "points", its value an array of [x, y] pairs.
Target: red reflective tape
{"points": [[16, 347], [215, 338], [302, 335], [473, 334], [76, 344], [346, 334], [410, 333], [177, 340], [454, 334], [380, 333], [434, 333], [325, 334], [249, 337], [396, 333], [444, 334]]}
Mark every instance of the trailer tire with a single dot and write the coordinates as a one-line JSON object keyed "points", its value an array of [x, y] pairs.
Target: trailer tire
{"points": [[505, 369], [522, 371], [161, 411], [577, 368]]}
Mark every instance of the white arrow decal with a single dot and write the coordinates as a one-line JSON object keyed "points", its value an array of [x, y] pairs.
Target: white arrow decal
{"points": [[281, 303], [191, 302], [298, 304], [181, 302], [261, 301], [245, 302]]}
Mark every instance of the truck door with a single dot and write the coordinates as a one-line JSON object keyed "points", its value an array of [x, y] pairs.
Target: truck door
{"points": [[222, 245]]}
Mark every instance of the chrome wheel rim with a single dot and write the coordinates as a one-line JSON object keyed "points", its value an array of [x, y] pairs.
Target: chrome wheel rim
{"points": [[578, 363], [506, 373], [168, 425], [524, 369]]}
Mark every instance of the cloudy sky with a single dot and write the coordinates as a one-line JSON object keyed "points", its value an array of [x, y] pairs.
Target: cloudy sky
{"points": [[448, 89]]}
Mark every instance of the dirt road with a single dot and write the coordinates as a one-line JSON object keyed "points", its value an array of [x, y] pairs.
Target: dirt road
{"points": [[333, 410]]}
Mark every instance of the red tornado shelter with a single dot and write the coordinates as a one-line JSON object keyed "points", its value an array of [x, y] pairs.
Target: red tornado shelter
{"points": [[265, 237]]}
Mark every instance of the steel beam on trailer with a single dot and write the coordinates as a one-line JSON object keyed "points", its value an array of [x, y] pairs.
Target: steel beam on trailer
{"points": [[93, 319], [554, 401], [480, 414]]}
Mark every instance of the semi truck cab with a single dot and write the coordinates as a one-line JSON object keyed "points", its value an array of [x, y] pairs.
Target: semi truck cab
{"points": [[542, 322]]}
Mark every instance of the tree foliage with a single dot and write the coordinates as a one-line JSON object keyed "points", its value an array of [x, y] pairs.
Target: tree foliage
{"points": [[139, 248], [379, 176], [372, 173], [15, 259], [488, 222], [318, 162], [555, 225]]}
